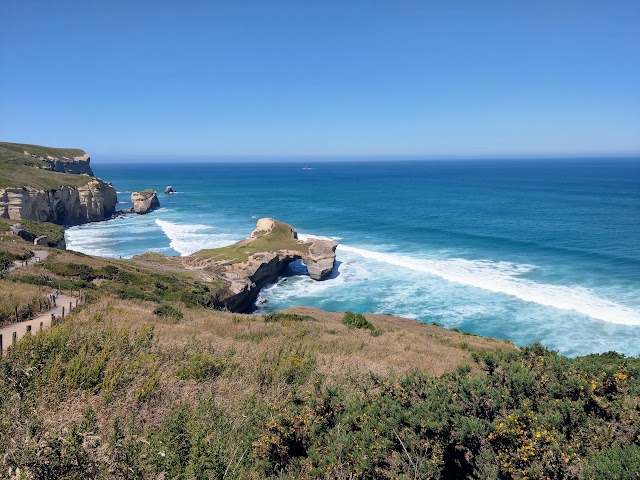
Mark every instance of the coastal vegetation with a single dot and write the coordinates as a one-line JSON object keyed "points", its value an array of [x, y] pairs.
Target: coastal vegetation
{"points": [[151, 378], [17, 169], [166, 386]]}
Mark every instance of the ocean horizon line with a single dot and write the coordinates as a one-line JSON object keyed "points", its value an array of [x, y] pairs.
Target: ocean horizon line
{"points": [[194, 159]]}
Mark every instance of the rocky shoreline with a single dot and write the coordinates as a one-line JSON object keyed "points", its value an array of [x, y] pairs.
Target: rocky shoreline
{"points": [[243, 268]]}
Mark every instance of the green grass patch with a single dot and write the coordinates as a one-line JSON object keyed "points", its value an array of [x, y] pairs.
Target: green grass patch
{"points": [[53, 232], [278, 239], [202, 365], [168, 311], [356, 320], [82, 271], [287, 317], [19, 170]]}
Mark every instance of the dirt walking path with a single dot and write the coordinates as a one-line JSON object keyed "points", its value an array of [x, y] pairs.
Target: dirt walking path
{"points": [[14, 332]]}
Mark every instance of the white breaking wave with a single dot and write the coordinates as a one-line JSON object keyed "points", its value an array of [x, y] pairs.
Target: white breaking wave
{"points": [[304, 237], [505, 277], [189, 238]]}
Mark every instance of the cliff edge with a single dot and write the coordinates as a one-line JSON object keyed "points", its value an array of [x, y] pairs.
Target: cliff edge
{"points": [[45, 184]]}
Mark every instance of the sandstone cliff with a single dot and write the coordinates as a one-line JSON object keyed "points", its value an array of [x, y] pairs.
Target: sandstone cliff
{"points": [[46, 184], [67, 205], [76, 165], [145, 201]]}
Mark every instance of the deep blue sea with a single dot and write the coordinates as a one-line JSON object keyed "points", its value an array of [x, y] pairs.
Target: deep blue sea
{"points": [[528, 250]]}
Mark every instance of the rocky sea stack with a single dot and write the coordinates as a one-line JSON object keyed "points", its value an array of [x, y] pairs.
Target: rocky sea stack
{"points": [[145, 201]]}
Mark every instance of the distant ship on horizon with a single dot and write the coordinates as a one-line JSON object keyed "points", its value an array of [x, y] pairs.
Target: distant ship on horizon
{"points": [[307, 168]]}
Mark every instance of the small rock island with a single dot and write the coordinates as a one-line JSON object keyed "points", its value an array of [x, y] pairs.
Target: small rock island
{"points": [[145, 201]]}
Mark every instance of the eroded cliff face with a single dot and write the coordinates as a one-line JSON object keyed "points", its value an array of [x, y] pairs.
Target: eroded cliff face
{"points": [[65, 206], [77, 165]]}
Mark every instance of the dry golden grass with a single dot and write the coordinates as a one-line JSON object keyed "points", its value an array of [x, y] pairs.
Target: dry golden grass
{"points": [[14, 246], [252, 347], [30, 300], [254, 352]]}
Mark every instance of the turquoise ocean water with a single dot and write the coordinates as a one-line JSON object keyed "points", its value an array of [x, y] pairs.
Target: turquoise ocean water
{"points": [[545, 250]]}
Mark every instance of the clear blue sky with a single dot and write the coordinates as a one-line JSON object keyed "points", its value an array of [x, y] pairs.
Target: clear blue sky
{"points": [[408, 78]]}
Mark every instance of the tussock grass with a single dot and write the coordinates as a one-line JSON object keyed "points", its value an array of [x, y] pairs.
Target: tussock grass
{"points": [[29, 299], [124, 391], [148, 381]]}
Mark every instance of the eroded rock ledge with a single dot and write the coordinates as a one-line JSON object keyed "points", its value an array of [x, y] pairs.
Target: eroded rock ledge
{"points": [[257, 261]]}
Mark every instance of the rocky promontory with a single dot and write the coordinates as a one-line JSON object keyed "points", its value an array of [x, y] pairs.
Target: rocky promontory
{"points": [[145, 201], [251, 264], [45, 184]]}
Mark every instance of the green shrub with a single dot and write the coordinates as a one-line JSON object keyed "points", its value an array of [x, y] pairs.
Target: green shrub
{"points": [[168, 311], [135, 294], [292, 364], [292, 317], [63, 284], [110, 271], [621, 462], [53, 232], [202, 365], [357, 320], [41, 280], [6, 260], [85, 272]]}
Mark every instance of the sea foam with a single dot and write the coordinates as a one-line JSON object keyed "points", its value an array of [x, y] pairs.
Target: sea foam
{"points": [[506, 278], [189, 238]]}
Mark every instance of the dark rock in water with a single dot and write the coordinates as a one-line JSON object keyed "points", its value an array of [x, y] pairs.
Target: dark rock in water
{"points": [[145, 201], [169, 190]]}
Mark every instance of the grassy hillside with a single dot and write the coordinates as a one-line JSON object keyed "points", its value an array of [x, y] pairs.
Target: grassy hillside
{"points": [[53, 232], [149, 381], [18, 169]]}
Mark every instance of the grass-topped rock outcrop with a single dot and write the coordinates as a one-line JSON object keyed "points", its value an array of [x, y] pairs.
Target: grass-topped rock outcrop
{"points": [[256, 261]]}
